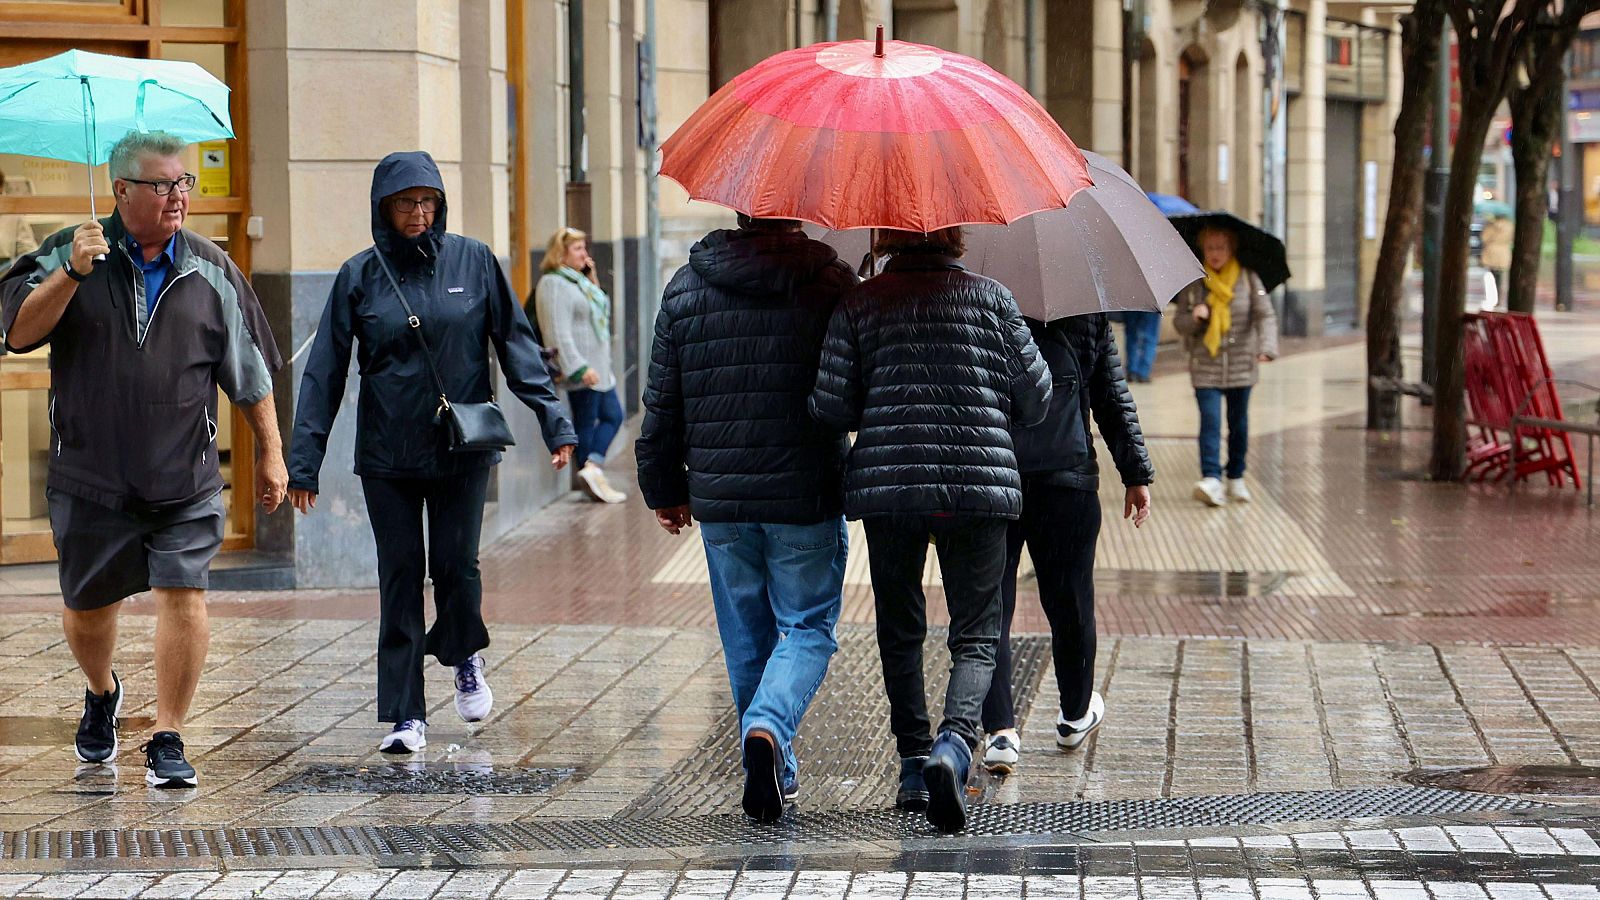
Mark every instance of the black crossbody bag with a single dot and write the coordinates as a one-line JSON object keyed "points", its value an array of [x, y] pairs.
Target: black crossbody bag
{"points": [[469, 427]]}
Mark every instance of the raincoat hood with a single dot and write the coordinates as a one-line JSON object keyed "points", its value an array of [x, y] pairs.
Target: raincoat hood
{"points": [[395, 173], [757, 262]]}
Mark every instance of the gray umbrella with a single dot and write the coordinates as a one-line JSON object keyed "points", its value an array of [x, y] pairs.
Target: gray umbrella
{"points": [[1110, 249]]}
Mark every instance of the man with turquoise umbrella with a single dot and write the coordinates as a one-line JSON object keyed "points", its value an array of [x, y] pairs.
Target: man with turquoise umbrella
{"points": [[145, 321]]}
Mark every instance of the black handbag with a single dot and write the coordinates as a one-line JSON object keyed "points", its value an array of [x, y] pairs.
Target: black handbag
{"points": [[469, 427]]}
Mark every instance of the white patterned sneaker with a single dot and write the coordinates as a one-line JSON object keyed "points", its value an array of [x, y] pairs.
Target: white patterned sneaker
{"points": [[474, 700], [407, 737]]}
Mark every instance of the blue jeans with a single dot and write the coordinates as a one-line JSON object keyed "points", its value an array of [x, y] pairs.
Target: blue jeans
{"points": [[596, 415], [1143, 333], [777, 592], [1210, 400]]}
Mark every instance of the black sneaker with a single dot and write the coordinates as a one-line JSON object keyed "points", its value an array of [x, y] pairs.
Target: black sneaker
{"points": [[164, 765], [913, 793], [97, 730], [763, 779]]}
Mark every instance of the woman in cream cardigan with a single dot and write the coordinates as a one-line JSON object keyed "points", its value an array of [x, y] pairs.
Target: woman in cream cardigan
{"points": [[575, 319]]}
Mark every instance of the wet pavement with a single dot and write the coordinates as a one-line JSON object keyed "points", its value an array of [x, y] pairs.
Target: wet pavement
{"points": [[1279, 676]]}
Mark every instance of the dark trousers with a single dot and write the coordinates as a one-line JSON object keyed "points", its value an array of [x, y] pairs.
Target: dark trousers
{"points": [[597, 416], [1060, 526], [1210, 401], [971, 556], [454, 508]]}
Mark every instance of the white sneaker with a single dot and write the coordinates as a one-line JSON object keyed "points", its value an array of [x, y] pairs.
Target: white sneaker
{"points": [[474, 700], [593, 481], [608, 494], [1001, 752], [1209, 492], [1237, 492], [407, 737], [1070, 735]]}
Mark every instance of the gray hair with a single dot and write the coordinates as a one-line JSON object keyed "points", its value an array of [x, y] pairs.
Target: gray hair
{"points": [[125, 155]]}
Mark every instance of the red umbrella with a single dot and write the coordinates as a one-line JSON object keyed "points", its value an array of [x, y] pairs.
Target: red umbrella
{"points": [[863, 134]]}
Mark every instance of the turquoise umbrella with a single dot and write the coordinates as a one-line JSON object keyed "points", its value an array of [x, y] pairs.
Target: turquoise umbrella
{"points": [[76, 105]]}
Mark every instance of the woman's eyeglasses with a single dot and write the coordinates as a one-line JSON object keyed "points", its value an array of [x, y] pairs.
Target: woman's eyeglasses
{"points": [[407, 205]]}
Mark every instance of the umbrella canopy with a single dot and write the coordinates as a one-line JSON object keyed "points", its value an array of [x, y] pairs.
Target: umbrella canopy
{"points": [[75, 106], [863, 134], [1171, 205], [1492, 209], [1259, 251], [1111, 249]]}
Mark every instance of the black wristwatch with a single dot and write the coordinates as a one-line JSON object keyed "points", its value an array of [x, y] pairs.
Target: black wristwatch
{"points": [[73, 273]]}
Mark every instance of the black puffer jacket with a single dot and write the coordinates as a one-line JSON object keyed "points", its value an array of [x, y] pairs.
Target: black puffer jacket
{"points": [[932, 366], [1088, 378], [735, 356]]}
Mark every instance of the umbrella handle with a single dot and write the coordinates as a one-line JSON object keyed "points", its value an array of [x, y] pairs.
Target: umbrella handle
{"points": [[88, 141]]}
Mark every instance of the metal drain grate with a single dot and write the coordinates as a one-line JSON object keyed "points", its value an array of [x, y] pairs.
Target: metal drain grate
{"points": [[617, 834], [423, 778], [844, 745]]}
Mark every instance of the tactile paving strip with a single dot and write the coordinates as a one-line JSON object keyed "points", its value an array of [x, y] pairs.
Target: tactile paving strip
{"points": [[844, 746], [834, 827]]}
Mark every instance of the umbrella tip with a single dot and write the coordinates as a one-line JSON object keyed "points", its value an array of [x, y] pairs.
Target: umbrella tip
{"points": [[879, 51]]}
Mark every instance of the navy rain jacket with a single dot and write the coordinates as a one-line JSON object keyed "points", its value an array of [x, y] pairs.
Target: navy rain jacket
{"points": [[460, 293]]}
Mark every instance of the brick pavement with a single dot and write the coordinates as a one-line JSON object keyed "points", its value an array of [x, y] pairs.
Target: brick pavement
{"points": [[1328, 636]]}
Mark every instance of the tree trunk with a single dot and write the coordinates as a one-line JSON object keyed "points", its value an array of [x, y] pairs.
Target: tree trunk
{"points": [[1448, 460], [1419, 43], [1535, 124]]}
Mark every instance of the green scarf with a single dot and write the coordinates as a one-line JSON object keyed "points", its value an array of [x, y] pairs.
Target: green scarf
{"points": [[599, 303]]}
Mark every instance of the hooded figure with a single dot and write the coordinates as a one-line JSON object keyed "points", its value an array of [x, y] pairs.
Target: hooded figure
{"points": [[464, 304], [727, 440]]}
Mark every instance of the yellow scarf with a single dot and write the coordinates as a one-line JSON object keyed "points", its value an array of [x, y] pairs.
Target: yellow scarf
{"points": [[1219, 296]]}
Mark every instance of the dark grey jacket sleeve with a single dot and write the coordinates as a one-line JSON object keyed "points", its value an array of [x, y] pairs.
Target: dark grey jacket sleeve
{"points": [[322, 383], [520, 359], [1030, 375], [837, 399], [1115, 413], [662, 449]]}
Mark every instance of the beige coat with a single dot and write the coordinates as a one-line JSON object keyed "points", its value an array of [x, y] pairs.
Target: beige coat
{"points": [[1497, 236], [1254, 331]]}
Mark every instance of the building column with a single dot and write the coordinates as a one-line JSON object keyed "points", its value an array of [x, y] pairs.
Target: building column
{"points": [[485, 178], [1307, 178]]}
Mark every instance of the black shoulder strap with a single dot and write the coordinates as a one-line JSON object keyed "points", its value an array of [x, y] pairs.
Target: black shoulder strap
{"points": [[416, 327]]}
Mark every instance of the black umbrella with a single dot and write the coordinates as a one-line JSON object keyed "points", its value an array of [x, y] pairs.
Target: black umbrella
{"points": [[1259, 251]]}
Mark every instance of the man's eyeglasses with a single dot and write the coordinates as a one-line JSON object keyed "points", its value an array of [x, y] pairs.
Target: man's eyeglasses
{"points": [[405, 206], [163, 188]]}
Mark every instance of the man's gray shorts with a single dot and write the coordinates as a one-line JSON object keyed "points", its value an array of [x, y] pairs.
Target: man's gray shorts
{"points": [[109, 554]]}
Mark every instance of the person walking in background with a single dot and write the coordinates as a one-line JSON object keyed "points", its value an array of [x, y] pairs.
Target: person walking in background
{"points": [[460, 303], [1228, 328], [932, 366], [1060, 524], [1142, 331], [1498, 235], [139, 346], [727, 440], [575, 318]]}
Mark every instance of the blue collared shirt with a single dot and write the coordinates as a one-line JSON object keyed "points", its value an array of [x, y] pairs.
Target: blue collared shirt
{"points": [[157, 271]]}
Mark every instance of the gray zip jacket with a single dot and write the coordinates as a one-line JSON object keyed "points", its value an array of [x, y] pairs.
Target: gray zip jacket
{"points": [[568, 326], [133, 399]]}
